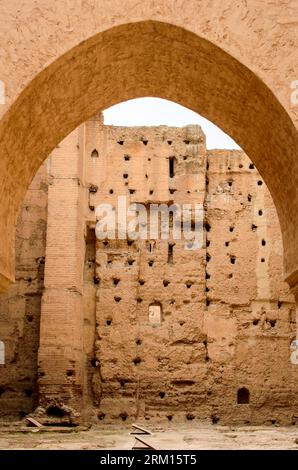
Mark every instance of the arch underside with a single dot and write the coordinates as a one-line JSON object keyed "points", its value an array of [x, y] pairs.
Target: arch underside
{"points": [[147, 59]]}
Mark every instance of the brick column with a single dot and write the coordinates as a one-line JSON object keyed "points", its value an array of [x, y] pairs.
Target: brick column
{"points": [[61, 330]]}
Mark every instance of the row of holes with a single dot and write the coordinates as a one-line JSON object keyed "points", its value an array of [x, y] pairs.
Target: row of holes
{"points": [[232, 227], [188, 284], [145, 142]]}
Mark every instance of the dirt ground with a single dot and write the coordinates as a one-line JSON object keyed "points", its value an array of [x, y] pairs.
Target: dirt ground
{"points": [[175, 436]]}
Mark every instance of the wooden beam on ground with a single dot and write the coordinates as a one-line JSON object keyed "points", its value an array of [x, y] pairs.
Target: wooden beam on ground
{"points": [[140, 445], [140, 431], [33, 422]]}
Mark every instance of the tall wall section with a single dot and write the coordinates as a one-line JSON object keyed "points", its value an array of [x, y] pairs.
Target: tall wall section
{"points": [[146, 328]]}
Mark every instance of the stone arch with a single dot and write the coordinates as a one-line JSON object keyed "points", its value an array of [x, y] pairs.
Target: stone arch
{"points": [[147, 58]]}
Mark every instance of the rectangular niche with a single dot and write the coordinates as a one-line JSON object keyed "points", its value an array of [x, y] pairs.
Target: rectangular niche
{"points": [[155, 314]]}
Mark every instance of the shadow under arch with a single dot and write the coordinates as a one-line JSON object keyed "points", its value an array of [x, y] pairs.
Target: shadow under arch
{"points": [[133, 60]]}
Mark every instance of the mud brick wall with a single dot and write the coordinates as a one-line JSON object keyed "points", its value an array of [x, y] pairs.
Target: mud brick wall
{"points": [[146, 328], [20, 306]]}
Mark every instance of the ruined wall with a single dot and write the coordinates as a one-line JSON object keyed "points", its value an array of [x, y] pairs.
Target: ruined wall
{"points": [[144, 366], [145, 328], [227, 319], [250, 319], [20, 306]]}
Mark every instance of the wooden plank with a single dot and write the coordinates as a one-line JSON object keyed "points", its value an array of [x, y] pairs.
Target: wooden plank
{"points": [[140, 444], [139, 430], [33, 422]]}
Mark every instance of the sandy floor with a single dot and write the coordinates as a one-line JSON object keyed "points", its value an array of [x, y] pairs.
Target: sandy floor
{"points": [[184, 436]]}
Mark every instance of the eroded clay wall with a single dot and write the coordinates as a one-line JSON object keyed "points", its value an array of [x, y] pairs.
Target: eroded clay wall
{"points": [[153, 330], [20, 306], [144, 365], [250, 319], [222, 348]]}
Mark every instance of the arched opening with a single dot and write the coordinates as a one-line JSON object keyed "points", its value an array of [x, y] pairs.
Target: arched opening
{"points": [[177, 65], [172, 64]]}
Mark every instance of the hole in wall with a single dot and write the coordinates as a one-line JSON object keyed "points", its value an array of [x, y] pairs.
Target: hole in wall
{"points": [[138, 341], [93, 362], [101, 416], [186, 142], [251, 166], [111, 191], [230, 276], [139, 300], [145, 142], [123, 416], [243, 396], [141, 282], [263, 242], [96, 280], [260, 183], [254, 227], [94, 154], [109, 321], [255, 322], [120, 142], [137, 361], [170, 417], [233, 259], [166, 283], [169, 142], [262, 260], [161, 395], [125, 175], [208, 257], [227, 243], [126, 158], [231, 229], [132, 191], [190, 416], [249, 198], [117, 298], [170, 253], [207, 226], [55, 411], [260, 212], [150, 263], [214, 419], [116, 281]]}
